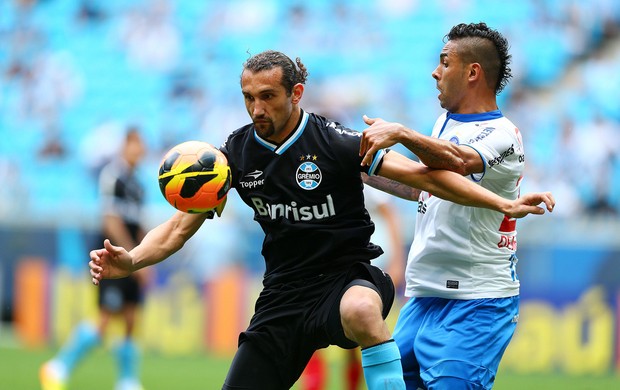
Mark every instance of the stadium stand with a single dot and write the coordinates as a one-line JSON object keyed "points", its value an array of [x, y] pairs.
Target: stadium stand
{"points": [[69, 65]]}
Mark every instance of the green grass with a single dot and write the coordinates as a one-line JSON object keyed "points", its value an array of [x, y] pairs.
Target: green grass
{"points": [[19, 370]]}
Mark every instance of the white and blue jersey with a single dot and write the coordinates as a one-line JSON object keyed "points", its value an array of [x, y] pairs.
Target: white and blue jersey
{"points": [[461, 271], [462, 252]]}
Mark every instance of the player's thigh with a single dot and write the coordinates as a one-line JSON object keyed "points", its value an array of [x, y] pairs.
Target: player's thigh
{"points": [[251, 369], [465, 339], [405, 332]]}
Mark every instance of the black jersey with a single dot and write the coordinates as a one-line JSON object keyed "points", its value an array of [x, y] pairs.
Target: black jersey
{"points": [[307, 196], [122, 194]]}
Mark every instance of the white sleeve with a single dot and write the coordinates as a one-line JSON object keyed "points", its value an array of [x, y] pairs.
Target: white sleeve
{"points": [[501, 149]]}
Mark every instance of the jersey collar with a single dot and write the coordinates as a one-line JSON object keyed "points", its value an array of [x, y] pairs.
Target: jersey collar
{"points": [[295, 134], [464, 118], [483, 116]]}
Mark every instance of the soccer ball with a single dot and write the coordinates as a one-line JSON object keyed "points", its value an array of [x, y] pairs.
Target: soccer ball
{"points": [[194, 177]]}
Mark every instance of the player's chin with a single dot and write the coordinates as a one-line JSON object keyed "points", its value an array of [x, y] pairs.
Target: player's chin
{"points": [[264, 129]]}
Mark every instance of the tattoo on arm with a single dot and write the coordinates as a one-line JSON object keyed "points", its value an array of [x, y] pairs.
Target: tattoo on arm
{"points": [[438, 154], [392, 187]]}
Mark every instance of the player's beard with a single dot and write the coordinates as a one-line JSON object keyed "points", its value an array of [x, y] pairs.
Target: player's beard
{"points": [[264, 127]]}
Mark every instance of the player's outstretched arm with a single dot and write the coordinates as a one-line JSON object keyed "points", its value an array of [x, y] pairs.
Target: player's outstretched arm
{"points": [[392, 187], [456, 188], [432, 152], [111, 262]]}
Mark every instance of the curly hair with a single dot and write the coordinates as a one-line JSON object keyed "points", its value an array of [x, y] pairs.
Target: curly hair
{"points": [[486, 46], [270, 59]]}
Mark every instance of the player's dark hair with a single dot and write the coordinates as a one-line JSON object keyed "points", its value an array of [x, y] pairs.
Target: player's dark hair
{"points": [[270, 59], [486, 46]]}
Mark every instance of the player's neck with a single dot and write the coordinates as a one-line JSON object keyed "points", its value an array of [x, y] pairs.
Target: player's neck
{"points": [[477, 106]]}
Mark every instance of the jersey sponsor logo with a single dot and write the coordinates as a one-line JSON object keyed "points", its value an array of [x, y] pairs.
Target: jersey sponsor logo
{"points": [[252, 180], [424, 196], [506, 241], [308, 175], [482, 135], [455, 140], [508, 224], [500, 159], [254, 175], [293, 211], [453, 284]]}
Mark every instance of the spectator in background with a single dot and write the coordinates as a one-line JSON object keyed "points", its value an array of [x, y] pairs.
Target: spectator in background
{"points": [[122, 196], [150, 37]]}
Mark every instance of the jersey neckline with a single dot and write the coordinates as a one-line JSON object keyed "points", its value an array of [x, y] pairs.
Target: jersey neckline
{"points": [[294, 136], [495, 114]]}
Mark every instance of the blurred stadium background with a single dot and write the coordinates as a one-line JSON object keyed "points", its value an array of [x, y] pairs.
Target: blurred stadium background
{"points": [[74, 73]]}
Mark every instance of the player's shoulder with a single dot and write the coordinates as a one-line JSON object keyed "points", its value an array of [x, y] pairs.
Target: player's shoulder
{"points": [[331, 127], [508, 127], [114, 168], [241, 132], [236, 138]]}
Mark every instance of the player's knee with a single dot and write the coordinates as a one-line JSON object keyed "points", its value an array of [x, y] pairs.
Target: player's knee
{"points": [[359, 303], [360, 309]]}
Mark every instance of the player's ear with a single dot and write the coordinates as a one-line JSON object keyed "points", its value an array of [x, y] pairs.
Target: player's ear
{"points": [[475, 71], [298, 92]]}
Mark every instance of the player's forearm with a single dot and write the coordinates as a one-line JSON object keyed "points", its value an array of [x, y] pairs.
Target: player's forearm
{"points": [[434, 153], [165, 239], [456, 188], [392, 187], [154, 248], [442, 183]]}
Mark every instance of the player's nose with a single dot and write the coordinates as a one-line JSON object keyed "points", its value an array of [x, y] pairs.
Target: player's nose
{"points": [[258, 109]]}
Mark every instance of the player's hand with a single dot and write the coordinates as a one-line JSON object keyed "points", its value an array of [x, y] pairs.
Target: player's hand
{"points": [[109, 262], [379, 135], [529, 204], [217, 210]]}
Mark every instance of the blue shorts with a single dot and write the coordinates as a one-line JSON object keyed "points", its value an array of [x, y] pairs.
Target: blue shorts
{"points": [[449, 343]]}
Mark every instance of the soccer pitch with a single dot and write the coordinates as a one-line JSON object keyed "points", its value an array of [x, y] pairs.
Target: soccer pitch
{"points": [[19, 370]]}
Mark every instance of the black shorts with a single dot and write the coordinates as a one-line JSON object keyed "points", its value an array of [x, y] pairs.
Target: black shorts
{"points": [[293, 320], [114, 294]]}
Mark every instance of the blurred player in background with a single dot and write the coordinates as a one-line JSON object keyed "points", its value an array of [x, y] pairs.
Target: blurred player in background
{"points": [[122, 197], [302, 176], [461, 272]]}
